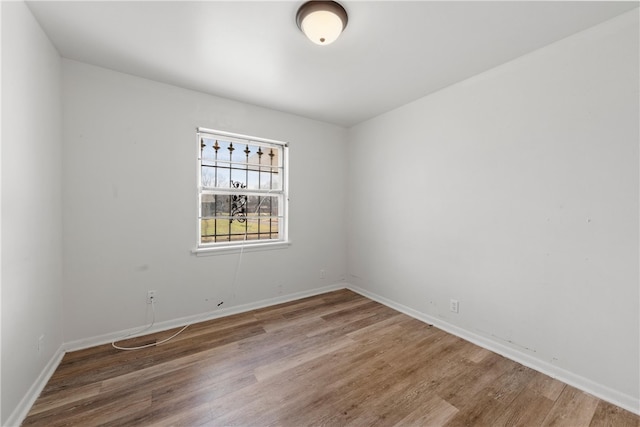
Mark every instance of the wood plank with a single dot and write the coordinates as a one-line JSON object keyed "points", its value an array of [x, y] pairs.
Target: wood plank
{"points": [[483, 410], [52, 401], [284, 364], [466, 381], [608, 415], [573, 408], [433, 412], [546, 386], [528, 409]]}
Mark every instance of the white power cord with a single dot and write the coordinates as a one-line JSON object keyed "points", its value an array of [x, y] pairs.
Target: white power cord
{"points": [[153, 321]]}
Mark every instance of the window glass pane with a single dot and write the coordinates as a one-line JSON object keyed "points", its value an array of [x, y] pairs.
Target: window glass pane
{"points": [[238, 206], [269, 226], [254, 180], [238, 178], [207, 205], [222, 205], [217, 205], [262, 206], [224, 230], [276, 181], [271, 157], [265, 181], [208, 176], [257, 154], [223, 178], [220, 230], [221, 174], [227, 150], [208, 150]]}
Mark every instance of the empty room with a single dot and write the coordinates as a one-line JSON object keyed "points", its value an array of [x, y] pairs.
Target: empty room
{"points": [[320, 213]]}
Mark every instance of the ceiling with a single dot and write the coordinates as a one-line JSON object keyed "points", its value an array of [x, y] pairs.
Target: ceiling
{"points": [[391, 52]]}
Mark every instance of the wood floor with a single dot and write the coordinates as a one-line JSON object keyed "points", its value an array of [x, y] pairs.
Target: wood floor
{"points": [[335, 359]]}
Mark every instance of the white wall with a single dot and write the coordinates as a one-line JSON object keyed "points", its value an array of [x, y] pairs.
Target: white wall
{"points": [[129, 197], [515, 192], [31, 204]]}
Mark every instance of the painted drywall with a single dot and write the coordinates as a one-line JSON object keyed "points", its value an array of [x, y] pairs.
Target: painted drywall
{"points": [[515, 193], [31, 204], [130, 207]]}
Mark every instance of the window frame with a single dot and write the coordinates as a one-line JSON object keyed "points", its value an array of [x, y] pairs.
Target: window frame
{"points": [[282, 195]]}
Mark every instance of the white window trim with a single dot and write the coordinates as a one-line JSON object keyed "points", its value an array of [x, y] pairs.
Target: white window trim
{"points": [[248, 247], [243, 245]]}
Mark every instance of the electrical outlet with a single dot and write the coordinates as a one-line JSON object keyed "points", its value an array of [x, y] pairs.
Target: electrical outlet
{"points": [[322, 274], [151, 297], [453, 305]]}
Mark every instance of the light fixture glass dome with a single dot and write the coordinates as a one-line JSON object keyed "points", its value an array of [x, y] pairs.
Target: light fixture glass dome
{"points": [[321, 21]]}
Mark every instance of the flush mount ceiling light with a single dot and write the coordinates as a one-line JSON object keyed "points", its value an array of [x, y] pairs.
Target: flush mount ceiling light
{"points": [[322, 21]]}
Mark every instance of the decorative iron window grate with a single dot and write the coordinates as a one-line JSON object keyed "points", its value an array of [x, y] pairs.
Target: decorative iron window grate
{"points": [[242, 189]]}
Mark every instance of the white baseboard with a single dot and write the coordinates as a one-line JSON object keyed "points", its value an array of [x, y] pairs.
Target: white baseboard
{"points": [[20, 413], [598, 390], [174, 323]]}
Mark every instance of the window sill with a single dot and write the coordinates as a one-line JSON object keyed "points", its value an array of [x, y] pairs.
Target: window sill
{"points": [[248, 247]]}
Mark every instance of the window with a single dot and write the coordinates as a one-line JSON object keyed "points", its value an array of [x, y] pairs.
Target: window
{"points": [[242, 190]]}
